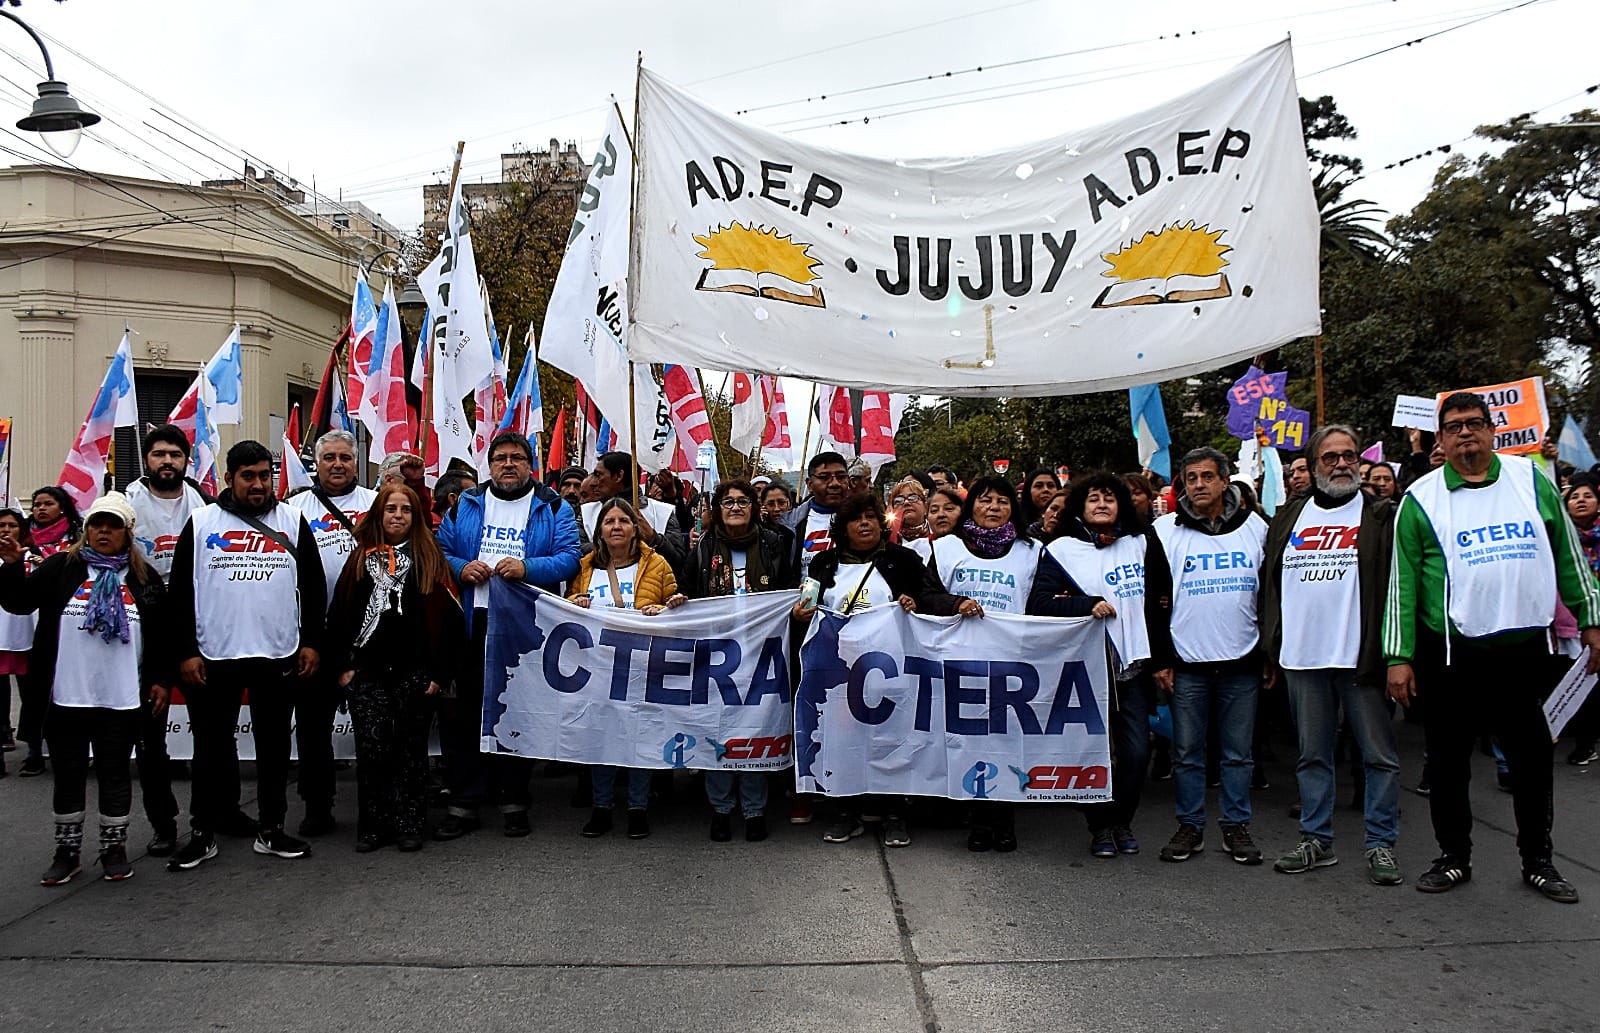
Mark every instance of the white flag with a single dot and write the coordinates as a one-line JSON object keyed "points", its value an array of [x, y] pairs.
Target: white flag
{"points": [[749, 413], [587, 316], [1144, 249], [461, 356]]}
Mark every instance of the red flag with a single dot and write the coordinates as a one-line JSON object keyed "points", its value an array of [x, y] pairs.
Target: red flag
{"points": [[558, 443], [292, 474], [324, 410], [880, 418], [838, 423], [775, 439]]}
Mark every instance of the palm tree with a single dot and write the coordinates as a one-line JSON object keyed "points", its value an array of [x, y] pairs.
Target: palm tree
{"points": [[1347, 224]]}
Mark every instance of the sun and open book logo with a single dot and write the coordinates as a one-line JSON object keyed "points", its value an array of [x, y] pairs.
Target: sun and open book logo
{"points": [[1173, 265], [755, 261]]}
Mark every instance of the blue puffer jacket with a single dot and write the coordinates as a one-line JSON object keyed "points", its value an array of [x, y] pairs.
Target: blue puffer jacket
{"points": [[550, 549]]}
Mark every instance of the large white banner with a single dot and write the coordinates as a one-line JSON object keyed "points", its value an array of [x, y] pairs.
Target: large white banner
{"points": [[1139, 250], [1002, 708], [587, 316], [703, 686], [180, 735], [459, 333]]}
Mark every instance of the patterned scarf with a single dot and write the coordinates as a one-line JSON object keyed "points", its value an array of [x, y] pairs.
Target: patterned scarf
{"points": [[1590, 540], [107, 613], [387, 566], [988, 542], [1100, 539]]}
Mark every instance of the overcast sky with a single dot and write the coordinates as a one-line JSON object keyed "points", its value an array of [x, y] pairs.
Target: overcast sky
{"points": [[368, 97]]}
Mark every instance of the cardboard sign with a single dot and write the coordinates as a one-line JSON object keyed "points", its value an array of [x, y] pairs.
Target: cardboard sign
{"points": [[1519, 413], [1257, 403], [1416, 412]]}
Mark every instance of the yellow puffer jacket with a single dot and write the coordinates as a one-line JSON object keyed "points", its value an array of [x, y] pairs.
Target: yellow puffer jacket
{"points": [[653, 586]]}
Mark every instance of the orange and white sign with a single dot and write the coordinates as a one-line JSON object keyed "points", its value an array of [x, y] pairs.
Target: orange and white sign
{"points": [[1519, 412]]}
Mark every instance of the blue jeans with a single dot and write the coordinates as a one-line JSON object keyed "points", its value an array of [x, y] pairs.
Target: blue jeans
{"points": [[1315, 698], [752, 791], [605, 788], [1234, 697], [1130, 756]]}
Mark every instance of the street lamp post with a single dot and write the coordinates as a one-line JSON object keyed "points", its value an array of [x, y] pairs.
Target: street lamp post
{"points": [[56, 116]]}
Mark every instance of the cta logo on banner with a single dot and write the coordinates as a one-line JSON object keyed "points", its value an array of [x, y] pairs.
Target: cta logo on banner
{"points": [[704, 686], [1518, 410], [895, 703], [1164, 243]]}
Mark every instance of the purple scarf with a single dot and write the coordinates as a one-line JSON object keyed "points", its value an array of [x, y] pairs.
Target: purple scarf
{"points": [[106, 613], [988, 542]]}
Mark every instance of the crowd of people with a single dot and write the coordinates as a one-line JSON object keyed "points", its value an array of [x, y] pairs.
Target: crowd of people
{"points": [[1456, 587]]}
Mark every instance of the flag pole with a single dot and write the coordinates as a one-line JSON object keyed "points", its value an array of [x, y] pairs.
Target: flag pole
{"points": [[1317, 344], [811, 412], [533, 371], [633, 258], [426, 421]]}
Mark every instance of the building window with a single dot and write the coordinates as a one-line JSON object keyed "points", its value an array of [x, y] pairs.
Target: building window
{"points": [[158, 395]]}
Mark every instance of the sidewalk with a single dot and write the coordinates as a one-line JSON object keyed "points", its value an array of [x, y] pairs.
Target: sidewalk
{"points": [[675, 932]]}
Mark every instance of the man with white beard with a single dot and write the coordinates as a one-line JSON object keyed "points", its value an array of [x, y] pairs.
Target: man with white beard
{"points": [[1323, 582]]}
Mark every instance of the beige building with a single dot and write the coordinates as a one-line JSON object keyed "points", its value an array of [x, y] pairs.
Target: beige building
{"points": [[566, 167], [83, 254]]}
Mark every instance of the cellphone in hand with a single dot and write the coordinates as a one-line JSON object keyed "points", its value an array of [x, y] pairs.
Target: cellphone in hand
{"points": [[810, 592]]}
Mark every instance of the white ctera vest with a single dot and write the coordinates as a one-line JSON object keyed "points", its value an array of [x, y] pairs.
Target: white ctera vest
{"points": [[1500, 570], [1115, 573], [655, 512], [1001, 585], [246, 587], [1215, 580], [334, 543], [159, 522]]}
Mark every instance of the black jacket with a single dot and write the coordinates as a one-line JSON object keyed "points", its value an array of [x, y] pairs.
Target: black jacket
{"points": [[1056, 594], [51, 586], [776, 556], [905, 573], [1374, 544], [312, 584], [429, 630]]}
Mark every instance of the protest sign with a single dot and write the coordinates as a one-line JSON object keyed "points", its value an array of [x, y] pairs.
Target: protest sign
{"points": [[1416, 412], [1161, 244], [1568, 696], [1518, 411], [1258, 406], [703, 686], [891, 702]]}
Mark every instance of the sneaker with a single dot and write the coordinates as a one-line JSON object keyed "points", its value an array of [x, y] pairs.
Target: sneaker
{"points": [[317, 823], [1382, 868], [1309, 854], [1189, 839], [1236, 840], [980, 839], [1545, 879], [755, 829], [32, 766], [1127, 842], [844, 828], [278, 843], [1103, 845], [409, 843], [202, 847], [895, 832], [162, 843], [454, 826], [62, 868], [1444, 874], [721, 827], [1583, 754], [9, 745], [1423, 788], [114, 864], [368, 843], [599, 824], [638, 823], [1005, 838], [800, 812], [515, 824]]}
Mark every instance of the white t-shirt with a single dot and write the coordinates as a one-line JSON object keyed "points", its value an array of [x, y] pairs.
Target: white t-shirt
{"points": [[91, 672], [505, 529], [741, 581], [1215, 580], [814, 538], [159, 522], [16, 631], [1001, 584], [600, 587], [246, 586], [874, 590], [655, 512], [334, 543], [1321, 589]]}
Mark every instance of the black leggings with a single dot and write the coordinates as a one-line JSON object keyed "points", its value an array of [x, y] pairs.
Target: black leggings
{"points": [[112, 733]]}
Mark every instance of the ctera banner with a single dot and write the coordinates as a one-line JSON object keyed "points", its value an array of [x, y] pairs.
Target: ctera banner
{"points": [[704, 686], [1144, 249], [896, 703]]}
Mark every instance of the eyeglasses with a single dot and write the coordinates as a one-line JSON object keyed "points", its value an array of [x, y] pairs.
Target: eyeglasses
{"points": [[736, 503], [900, 500], [1335, 458], [516, 458], [826, 477], [1456, 427]]}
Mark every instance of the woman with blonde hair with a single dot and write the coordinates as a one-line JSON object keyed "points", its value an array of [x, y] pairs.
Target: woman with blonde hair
{"points": [[625, 573], [393, 629]]}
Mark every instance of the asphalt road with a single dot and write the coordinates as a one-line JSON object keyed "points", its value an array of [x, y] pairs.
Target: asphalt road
{"points": [[675, 932]]}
